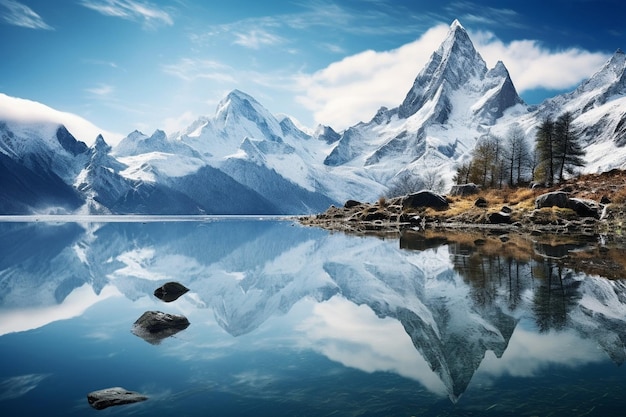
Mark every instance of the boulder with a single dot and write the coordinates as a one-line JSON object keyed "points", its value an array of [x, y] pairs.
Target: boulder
{"points": [[170, 291], [375, 215], [154, 326], [113, 396], [463, 190], [424, 198], [351, 203], [585, 208], [481, 202], [555, 198], [499, 218]]}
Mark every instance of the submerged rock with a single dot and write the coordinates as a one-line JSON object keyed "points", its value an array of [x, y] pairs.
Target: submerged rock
{"points": [[170, 291], [154, 326], [113, 396]]}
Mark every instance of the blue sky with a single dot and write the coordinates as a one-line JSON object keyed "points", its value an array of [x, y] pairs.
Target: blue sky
{"points": [[135, 64]]}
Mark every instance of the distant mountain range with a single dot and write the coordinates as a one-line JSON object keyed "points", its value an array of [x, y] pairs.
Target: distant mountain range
{"points": [[244, 160]]}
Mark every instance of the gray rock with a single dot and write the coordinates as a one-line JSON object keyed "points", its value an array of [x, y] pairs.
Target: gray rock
{"points": [[556, 198], [424, 198], [481, 202], [154, 326], [499, 218], [463, 190], [170, 291], [585, 208], [113, 396], [351, 203]]}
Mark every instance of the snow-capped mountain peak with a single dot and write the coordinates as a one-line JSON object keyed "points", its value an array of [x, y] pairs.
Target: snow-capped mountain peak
{"points": [[455, 62]]}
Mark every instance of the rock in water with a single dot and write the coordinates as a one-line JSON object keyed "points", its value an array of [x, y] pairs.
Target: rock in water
{"points": [[113, 396], [154, 326], [170, 291]]}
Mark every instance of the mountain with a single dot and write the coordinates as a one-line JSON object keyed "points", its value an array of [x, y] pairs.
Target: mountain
{"points": [[244, 160], [598, 107], [454, 100]]}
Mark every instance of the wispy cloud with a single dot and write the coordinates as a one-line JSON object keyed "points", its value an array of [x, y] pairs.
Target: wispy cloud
{"points": [[101, 90], [320, 16], [189, 69], [18, 14], [257, 38], [145, 12], [110, 64], [17, 386], [466, 11]]}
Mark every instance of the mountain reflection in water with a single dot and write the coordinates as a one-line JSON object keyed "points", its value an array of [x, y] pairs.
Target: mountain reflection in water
{"points": [[438, 308]]}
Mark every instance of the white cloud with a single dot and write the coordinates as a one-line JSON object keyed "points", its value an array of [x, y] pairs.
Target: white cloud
{"points": [[135, 10], [172, 125], [255, 39], [533, 66], [19, 14], [27, 111], [15, 387], [347, 91], [189, 69], [101, 90], [353, 89], [354, 336]]}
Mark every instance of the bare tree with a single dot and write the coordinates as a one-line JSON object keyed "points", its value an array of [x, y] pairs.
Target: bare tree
{"points": [[407, 183], [517, 155]]}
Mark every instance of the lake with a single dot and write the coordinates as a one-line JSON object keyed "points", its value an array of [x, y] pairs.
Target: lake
{"points": [[287, 320]]}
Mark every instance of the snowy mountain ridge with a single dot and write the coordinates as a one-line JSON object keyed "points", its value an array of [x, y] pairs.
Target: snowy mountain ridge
{"points": [[244, 160]]}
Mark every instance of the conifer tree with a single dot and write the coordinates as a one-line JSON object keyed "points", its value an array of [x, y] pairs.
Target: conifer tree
{"points": [[546, 150], [569, 152]]}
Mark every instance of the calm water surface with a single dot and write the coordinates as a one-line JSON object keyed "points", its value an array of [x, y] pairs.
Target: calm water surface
{"points": [[294, 321]]}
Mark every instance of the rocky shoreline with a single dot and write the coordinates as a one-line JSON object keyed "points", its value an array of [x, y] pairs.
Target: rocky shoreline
{"points": [[551, 213]]}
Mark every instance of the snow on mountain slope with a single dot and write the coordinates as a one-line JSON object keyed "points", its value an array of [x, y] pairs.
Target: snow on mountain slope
{"points": [[454, 100], [17, 111]]}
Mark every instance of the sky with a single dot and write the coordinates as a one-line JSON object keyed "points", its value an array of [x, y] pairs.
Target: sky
{"points": [[129, 65]]}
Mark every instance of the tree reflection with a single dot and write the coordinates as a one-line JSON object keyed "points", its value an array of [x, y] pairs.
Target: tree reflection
{"points": [[499, 272], [555, 296]]}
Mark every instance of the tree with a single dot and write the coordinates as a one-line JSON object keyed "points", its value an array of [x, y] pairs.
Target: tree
{"points": [[433, 181], [546, 144], [569, 152], [517, 156], [404, 184], [558, 148], [463, 173], [486, 167], [408, 183]]}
